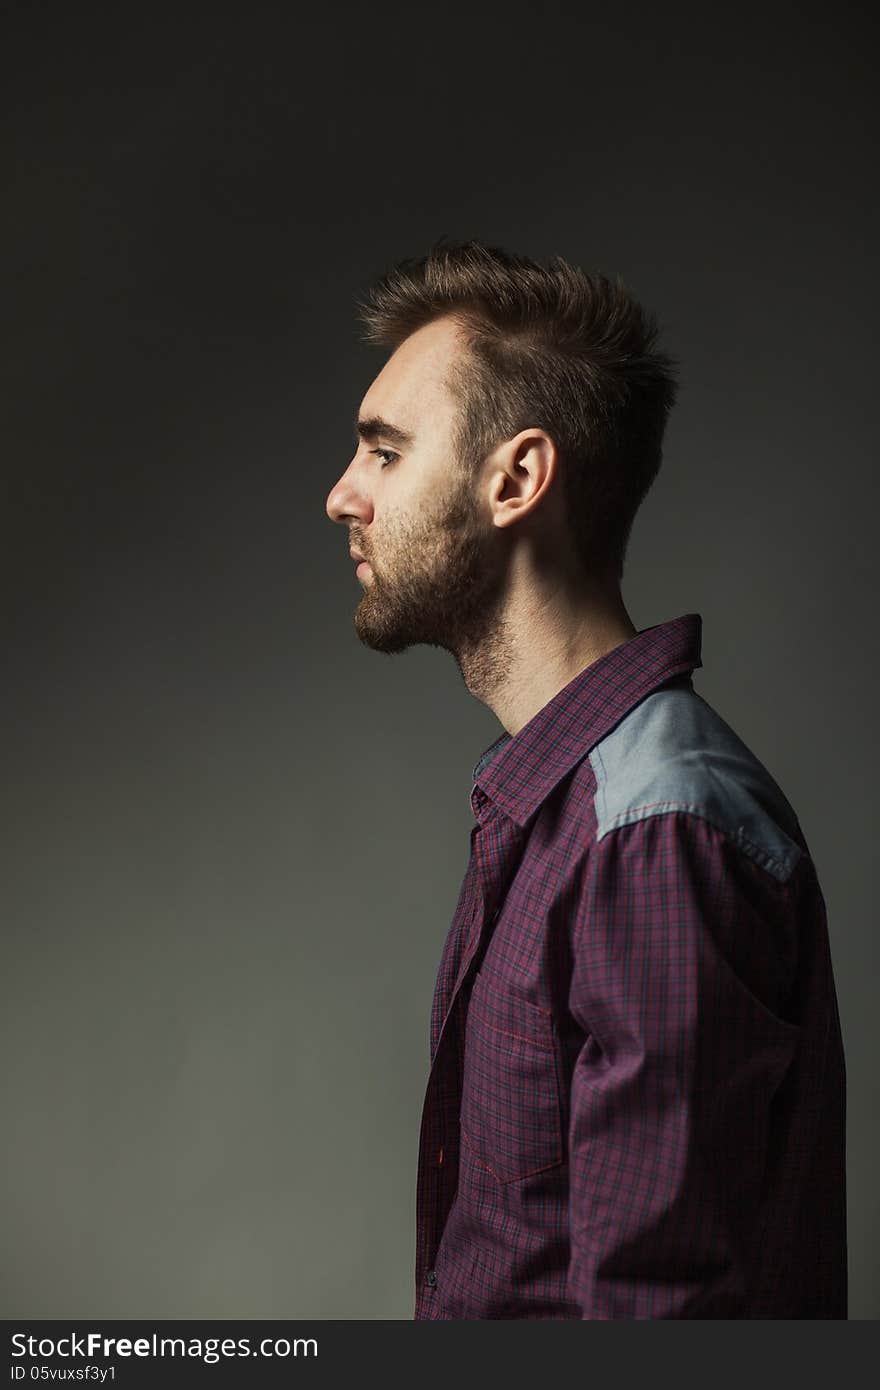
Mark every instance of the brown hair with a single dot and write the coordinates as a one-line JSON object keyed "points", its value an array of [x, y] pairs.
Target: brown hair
{"points": [[550, 346]]}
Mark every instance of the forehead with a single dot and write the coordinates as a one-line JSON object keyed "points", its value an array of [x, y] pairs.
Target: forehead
{"points": [[411, 384]]}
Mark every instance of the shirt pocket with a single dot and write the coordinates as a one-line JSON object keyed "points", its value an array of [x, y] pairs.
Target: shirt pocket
{"points": [[511, 1117]]}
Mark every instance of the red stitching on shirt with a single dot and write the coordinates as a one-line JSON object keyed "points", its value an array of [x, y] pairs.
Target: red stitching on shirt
{"points": [[481, 1162], [536, 1042], [686, 808]]}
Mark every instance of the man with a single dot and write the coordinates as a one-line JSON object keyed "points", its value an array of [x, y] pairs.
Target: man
{"points": [[636, 1100]]}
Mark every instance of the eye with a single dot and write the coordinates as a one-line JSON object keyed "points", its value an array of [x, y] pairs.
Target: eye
{"points": [[387, 456]]}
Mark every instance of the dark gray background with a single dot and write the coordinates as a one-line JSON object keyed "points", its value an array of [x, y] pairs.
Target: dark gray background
{"points": [[234, 835]]}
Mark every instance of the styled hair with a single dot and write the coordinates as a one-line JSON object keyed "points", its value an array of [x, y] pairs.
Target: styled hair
{"points": [[549, 346]]}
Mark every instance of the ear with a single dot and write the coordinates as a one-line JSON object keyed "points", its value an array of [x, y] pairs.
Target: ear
{"points": [[522, 472]]}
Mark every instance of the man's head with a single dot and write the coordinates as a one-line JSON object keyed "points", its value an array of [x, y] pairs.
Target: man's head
{"points": [[533, 404]]}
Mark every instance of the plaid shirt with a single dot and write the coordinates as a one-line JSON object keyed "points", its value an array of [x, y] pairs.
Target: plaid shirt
{"points": [[636, 1099]]}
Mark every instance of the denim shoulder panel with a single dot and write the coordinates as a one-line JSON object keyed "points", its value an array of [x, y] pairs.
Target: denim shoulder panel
{"points": [[674, 752]]}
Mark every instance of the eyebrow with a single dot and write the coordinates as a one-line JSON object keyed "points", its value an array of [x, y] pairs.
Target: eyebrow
{"points": [[374, 427]]}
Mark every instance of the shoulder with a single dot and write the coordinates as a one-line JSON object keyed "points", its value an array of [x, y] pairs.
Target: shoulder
{"points": [[673, 752]]}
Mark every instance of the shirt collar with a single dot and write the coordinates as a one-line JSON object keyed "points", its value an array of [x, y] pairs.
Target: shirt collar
{"points": [[518, 772]]}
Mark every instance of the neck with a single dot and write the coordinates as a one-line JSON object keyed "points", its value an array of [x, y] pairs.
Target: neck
{"points": [[541, 641]]}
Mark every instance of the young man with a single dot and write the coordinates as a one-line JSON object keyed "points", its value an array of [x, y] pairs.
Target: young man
{"points": [[636, 1100]]}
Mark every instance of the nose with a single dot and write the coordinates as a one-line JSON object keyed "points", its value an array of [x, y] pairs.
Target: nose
{"points": [[346, 502]]}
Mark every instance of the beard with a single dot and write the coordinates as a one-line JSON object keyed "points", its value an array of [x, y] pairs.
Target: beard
{"points": [[440, 581]]}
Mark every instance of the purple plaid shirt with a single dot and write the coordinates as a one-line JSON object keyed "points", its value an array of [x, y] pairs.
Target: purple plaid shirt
{"points": [[636, 1100]]}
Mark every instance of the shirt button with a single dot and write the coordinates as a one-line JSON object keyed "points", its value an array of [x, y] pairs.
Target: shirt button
{"points": [[431, 1278]]}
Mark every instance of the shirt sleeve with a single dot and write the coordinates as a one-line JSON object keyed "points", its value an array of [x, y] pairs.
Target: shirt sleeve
{"points": [[683, 957]]}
